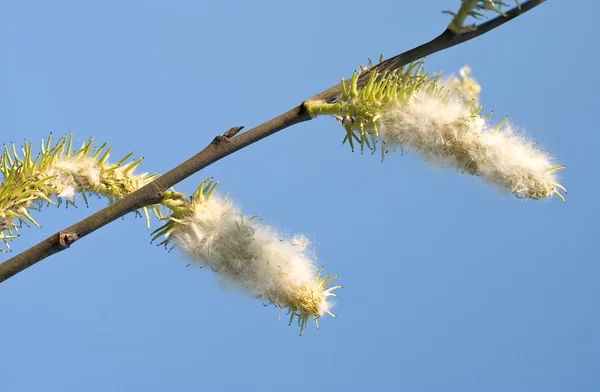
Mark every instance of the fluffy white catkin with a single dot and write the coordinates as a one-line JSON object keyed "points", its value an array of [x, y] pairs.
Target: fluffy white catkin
{"points": [[440, 120], [255, 257], [446, 132]]}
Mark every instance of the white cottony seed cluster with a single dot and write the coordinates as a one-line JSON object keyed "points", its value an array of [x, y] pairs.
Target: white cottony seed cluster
{"points": [[71, 175], [411, 110], [446, 132], [464, 85], [249, 255]]}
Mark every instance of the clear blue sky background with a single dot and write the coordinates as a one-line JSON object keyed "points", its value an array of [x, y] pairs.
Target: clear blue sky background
{"points": [[449, 285]]}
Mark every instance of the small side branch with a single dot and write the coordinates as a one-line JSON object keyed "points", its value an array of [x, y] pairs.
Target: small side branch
{"points": [[458, 20], [443, 41]]}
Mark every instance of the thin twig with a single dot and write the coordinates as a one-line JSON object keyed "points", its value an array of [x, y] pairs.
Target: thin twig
{"points": [[443, 41], [223, 146]]}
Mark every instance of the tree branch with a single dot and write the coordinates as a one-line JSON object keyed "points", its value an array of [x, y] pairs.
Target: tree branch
{"points": [[223, 146]]}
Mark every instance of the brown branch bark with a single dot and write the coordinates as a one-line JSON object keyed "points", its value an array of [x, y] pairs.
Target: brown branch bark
{"points": [[223, 146]]}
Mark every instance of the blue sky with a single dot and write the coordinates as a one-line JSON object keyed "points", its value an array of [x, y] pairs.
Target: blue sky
{"points": [[449, 285]]}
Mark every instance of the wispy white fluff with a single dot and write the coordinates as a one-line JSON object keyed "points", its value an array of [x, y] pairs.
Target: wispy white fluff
{"points": [[464, 85], [79, 174], [447, 133], [73, 174], [255, 258], [56, 171]]}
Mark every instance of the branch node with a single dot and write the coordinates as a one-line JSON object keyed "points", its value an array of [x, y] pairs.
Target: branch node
{"points": [[220, 140], [231, 132], [65, 239]]}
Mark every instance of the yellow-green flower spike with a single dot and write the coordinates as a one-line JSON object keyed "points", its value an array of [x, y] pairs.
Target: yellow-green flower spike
{"points": [[57, 172], [358, 110]]}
